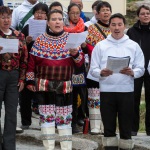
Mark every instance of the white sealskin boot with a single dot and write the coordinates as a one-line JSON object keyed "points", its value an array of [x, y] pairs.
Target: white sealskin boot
{"points": [[101, 127], [110, 143], [48, 137], [65, 137], [95, 119], [126, 144]]}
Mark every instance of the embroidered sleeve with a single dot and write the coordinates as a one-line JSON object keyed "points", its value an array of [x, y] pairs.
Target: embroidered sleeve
{"points": [[79, 58], [30, 75], [23, 58]]}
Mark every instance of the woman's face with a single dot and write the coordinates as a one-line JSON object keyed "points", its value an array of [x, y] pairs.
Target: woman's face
{"points": [[104, 14], [74, 14], [40, 15], [55, 22], [5, 21]]}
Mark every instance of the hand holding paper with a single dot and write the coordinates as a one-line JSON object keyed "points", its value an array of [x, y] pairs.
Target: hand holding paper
{"points": [[106, 72], [116, 64], [73, 51], [127, 71]]}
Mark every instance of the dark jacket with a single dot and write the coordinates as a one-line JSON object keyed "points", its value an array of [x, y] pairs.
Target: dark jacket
{"points": [[141, 34]]}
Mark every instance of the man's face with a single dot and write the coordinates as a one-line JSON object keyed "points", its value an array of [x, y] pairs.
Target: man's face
{"points": [[79, 2], [144, 16], [32, 1], [117, 28]]}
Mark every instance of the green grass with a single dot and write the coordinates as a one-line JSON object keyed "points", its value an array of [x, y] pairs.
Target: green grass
{"points": [[142, 114]]}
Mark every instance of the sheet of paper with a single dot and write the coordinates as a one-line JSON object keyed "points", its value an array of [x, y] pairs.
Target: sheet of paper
{"points": [[9, 45], [116, 64], [36, 28], [75, 40]]}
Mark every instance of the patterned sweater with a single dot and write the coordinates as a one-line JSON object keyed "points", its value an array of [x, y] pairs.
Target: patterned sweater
{"points": [[48, 60], [94, 36], [11, 61]]}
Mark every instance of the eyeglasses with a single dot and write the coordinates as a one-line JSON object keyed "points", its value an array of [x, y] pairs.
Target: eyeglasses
{"points": [[4, 18], [143, 14], [38, 13], [73, 14]]}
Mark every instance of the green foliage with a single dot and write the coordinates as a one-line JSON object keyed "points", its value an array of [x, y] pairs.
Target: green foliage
{"points": [[142, 114]]}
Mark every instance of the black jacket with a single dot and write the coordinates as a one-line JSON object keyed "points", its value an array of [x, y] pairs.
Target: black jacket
{"points": [[141, 34]]}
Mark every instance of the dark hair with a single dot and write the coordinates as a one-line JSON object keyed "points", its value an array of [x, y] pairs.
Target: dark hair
{"points": [[41, 6], [96, 3], [52, 12], [118, 15], [71, 5], [101, 5], [5, 9], [139, 9], [55, 4]]}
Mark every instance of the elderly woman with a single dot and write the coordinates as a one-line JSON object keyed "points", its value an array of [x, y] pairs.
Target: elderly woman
{"points": [[97, 33], [73, 22], [12, 71], [49, 75]]}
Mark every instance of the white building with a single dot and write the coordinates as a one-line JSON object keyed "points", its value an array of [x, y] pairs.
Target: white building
{"points": [[118, 6]]}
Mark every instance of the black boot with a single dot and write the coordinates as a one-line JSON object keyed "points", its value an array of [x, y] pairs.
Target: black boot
{"points": [[111, 148], [75, 129]]}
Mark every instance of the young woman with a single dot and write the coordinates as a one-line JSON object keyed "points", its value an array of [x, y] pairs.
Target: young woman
{"points": [[75, 24], [40, 13], [49, 75], [94, 36]]}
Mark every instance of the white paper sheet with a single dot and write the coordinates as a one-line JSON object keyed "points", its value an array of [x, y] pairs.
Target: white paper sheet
{"points": [[116, 64], [9, 45], [75, 40], [36, 28]]}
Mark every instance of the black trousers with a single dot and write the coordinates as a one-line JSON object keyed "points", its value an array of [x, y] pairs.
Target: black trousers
{"points": [[26, 112], [9, 93], [115, 104], [79, 113], [137, 96]]}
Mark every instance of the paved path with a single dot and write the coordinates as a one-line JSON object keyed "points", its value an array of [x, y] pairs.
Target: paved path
{"points": [[31, 138]]}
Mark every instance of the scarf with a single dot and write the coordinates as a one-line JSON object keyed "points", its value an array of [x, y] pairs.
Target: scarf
{"points": [[69, 27]]}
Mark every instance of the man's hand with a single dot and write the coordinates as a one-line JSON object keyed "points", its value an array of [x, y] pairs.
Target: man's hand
{"points": [[29, 39], [106, 72], [73, 51], [127, 71], [1, 48], [21, 86], [31, 88]]}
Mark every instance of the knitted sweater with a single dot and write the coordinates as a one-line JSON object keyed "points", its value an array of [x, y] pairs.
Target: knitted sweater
{"points": [[48, 60], [15, 61]]}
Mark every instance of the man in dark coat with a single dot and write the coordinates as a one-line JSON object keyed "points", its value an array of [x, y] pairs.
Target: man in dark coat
{"points": [[140, 33]]}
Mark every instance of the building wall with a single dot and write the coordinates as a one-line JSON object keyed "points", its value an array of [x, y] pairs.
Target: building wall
{"points": [[118, 6]]}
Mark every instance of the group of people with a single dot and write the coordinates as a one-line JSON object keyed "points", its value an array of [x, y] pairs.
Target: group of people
{"points": [[46, 72]]}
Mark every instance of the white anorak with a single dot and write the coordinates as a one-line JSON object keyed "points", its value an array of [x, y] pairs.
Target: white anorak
{"points": [[20, 12], [123, 47]]}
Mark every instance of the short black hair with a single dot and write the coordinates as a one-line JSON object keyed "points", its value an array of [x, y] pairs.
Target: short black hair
{"points": [[55, 4], [41, 6], [52, 12], [73, 4], [118, 15], [95, 3], [139, 9], [101, 5]]}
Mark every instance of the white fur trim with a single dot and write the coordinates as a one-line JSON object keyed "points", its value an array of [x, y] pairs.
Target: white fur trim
{"points": [[126, 144], [110, 141]]}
